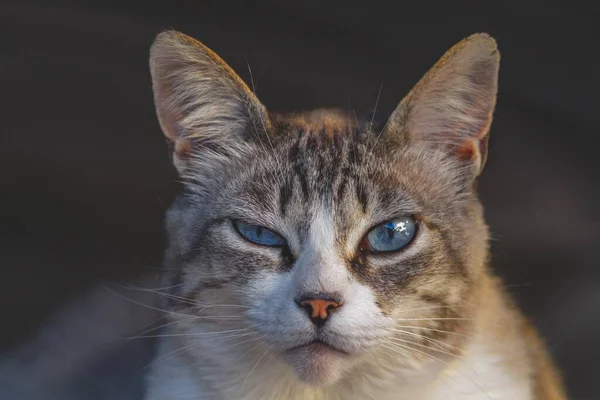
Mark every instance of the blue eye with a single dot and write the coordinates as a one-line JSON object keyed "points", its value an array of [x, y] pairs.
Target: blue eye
{"points": [[392, 235], [258, 234]]}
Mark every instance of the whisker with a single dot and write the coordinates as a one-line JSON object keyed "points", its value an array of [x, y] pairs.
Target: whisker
{"points": [[135, 287], [273, 163], [232, 337], [412, 342], [169, 312], [419, 351], [220, 305], [251, 349], [256, 365], [404, 353], [381, 132], [188, 334], [142, 304], [445, 363], [165, 356], [153, 329], [254, 339], [432, 308], [197, 342], [431, 340], [429, 329], [436, 319], [394, 348], [183, 299], [376, 104]]}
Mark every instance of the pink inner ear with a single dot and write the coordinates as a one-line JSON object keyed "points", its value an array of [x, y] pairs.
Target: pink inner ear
{"points": [[183, 147], [476, 144], [467, 150]]}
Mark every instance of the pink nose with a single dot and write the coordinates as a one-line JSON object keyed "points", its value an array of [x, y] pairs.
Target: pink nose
{"points": [[319, 308]]}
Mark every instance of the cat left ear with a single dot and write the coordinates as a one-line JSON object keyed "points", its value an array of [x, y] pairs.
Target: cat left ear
{"points": [[452, 105], [205, 110]]}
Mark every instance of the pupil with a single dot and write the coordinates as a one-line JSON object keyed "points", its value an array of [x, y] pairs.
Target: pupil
{"points": [[259, 230], [390, 232]]}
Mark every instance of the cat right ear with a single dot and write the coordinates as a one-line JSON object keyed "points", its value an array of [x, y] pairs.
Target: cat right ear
{"points": [[451, 107], [205, 110]]}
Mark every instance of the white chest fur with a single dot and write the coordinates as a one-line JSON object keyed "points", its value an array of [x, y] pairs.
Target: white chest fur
{"points": [[479, 374]]}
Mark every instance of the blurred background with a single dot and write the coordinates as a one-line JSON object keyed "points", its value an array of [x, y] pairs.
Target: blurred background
{"points": [[85, 177]]}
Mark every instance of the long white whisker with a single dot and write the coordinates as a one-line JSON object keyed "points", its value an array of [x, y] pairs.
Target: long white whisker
{"points": [[142, 304], [431, 340], [252, 348], [158, 289], [443, 362], [419, 351], [189, 334], [186, 299], [431, 308], [412, 342], [428, 329], [405, 353], [256, 365], [435, 319], [155, 328]]}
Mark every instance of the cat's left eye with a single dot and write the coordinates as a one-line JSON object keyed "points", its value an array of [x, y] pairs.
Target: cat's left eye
{"points": [[258, 234], [392, 235]]}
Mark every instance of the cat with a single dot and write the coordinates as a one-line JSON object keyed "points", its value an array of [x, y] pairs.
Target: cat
{"points": [[319, 256]]}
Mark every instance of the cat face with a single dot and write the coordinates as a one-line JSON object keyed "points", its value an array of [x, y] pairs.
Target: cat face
{"points": [[317, 238]]}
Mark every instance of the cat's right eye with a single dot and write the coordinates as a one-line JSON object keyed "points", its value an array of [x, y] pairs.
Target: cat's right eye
{"points": [[390, 236], [258, 234]]}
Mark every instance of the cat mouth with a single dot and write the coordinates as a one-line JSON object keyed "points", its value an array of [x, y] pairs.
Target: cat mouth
{"points": [[317, 362], [317, 345]]}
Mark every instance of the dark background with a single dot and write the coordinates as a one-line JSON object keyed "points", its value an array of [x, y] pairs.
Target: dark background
{"points": [[85, 177]]}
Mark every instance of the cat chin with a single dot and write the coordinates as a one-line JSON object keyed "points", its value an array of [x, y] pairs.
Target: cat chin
{"points": [[318, 364]]}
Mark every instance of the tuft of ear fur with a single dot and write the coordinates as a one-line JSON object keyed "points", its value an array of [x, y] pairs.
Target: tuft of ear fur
{"points": [[204, 108], [451, 107]]}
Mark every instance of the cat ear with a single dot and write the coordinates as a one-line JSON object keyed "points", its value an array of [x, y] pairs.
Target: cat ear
{"points": [[452, 105], [204, 108]]}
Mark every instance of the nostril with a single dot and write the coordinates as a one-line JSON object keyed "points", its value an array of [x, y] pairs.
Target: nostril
{"points": [[330, 308], [305, 305]]}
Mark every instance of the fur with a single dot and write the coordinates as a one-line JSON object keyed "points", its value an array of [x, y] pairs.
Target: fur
{"points": [[427, 322]]}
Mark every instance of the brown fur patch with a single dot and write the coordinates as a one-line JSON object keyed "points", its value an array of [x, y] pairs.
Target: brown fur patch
{"points": [[467, 151], [183, 147], [327, 123]]}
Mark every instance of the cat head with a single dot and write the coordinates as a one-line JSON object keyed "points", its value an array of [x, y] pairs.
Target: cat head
{"points": [[322, 239]]}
